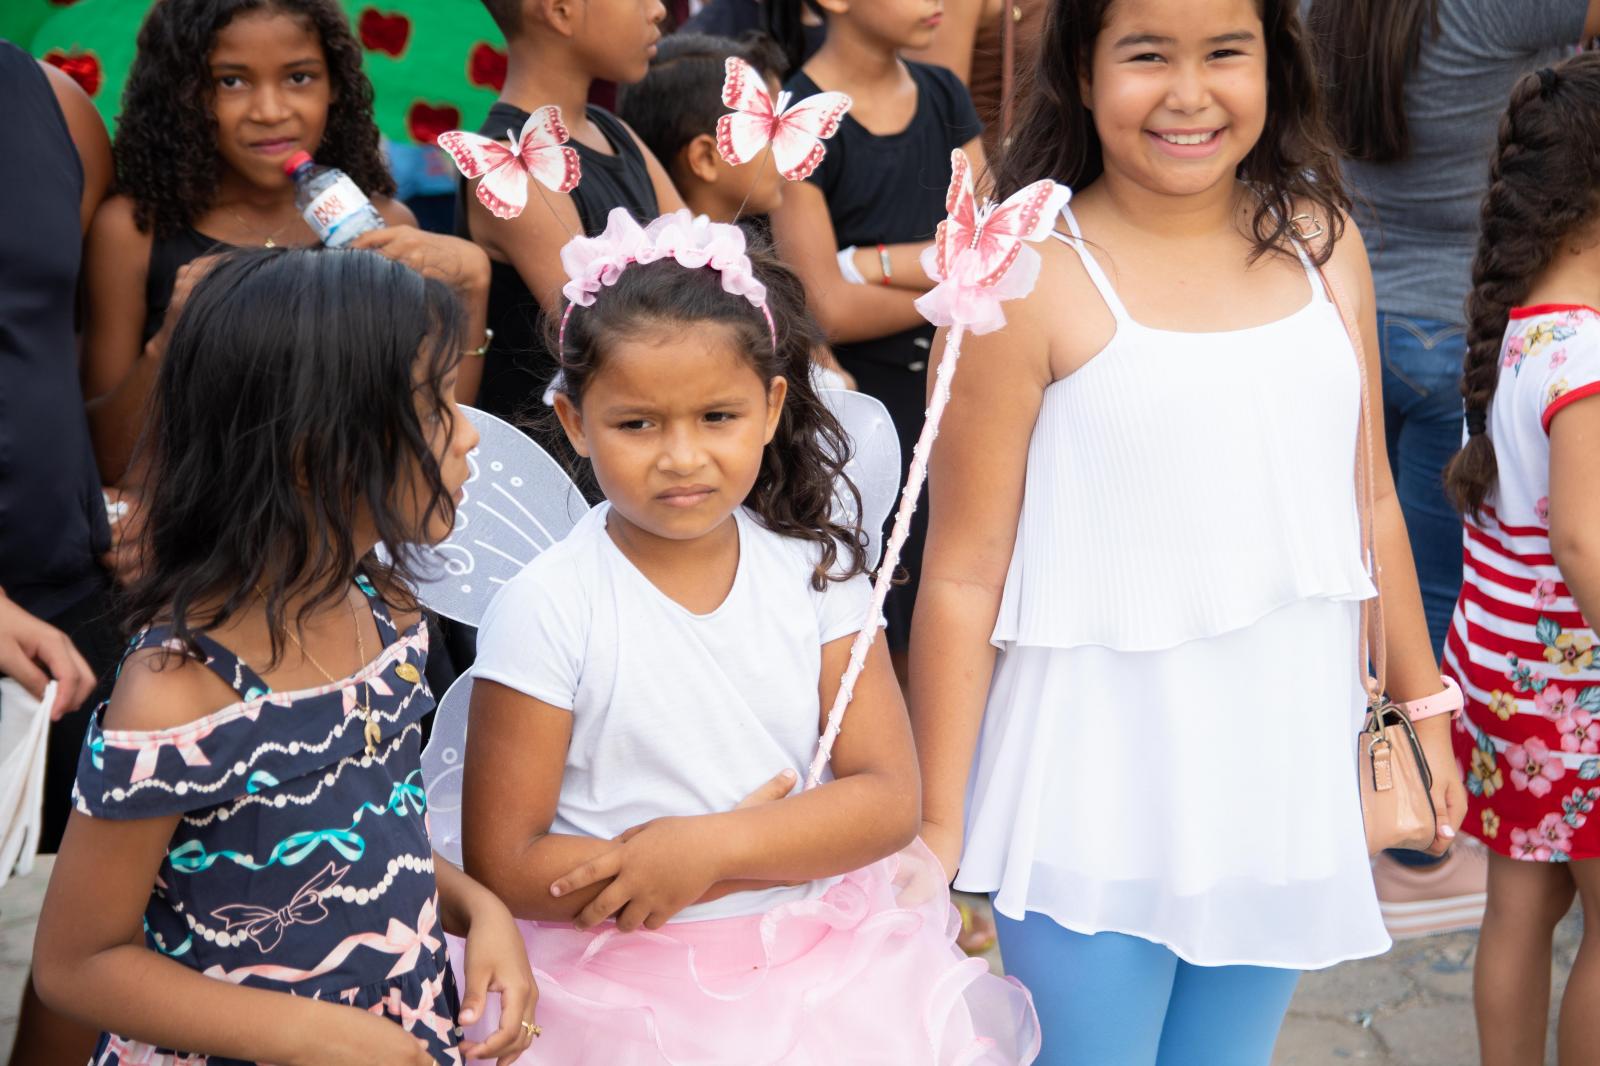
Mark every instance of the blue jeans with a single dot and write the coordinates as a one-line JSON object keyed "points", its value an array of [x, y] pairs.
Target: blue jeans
{"points": [[1422, 413], [1116, 1000]]}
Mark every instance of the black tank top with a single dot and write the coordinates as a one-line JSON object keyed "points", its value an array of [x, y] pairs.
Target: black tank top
{"points": [[519, 364], [167, 256], [52, 517]]}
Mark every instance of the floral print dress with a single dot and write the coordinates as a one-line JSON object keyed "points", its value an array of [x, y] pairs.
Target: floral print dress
{"points": [[1529, 739], [301, 863]]}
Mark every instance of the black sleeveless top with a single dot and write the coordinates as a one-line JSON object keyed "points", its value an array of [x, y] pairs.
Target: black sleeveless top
{"points": [[52, 517], [167, 256], [519, 364]]}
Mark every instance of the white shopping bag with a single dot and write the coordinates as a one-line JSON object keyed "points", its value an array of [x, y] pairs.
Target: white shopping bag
{"points": [[24, 732]]}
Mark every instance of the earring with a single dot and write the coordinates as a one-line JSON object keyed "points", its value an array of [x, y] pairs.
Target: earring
{"points": [[1307, 227]]}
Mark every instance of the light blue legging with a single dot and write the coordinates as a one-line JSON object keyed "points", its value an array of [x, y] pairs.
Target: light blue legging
{"points": [[1116, 1000]]}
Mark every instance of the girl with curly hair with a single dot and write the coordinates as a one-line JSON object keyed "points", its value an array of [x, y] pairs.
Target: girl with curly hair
{"points": [[1134, 674], [638, 685], [1522, 642], [221, 93]]}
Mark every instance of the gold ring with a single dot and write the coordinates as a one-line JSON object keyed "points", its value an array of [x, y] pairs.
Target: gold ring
{"points": [[532, 1030]]}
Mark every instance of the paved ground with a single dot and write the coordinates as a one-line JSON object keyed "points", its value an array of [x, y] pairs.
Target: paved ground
{"points": [[1413, 1007]]}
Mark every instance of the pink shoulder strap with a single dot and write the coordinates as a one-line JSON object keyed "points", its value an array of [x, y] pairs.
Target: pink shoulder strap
{"points": [[1370, 651]]}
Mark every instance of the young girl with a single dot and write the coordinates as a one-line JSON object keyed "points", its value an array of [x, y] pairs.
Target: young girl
{"points": [[867, 212], [557, 50], [640, 681], [1522, 643], [1146, 501], [221, 93], [247, 874]]}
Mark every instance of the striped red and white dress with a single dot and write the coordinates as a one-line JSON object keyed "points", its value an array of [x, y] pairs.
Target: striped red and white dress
{"points": [[1527, 660]]}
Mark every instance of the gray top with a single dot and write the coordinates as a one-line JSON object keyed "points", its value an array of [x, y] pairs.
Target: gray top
{"points": [[1419, 216]]}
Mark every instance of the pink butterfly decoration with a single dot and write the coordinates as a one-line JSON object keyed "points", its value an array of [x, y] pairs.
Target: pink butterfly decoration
{"points": [[540, 153], [994, 231], [795, 132], [979, 255]]}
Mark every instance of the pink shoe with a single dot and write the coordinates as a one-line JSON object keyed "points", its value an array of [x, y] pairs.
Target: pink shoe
{"points": [[1445, 897]]}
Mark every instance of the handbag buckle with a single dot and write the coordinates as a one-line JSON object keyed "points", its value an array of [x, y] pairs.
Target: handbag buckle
{"points": [[1381, 757]]}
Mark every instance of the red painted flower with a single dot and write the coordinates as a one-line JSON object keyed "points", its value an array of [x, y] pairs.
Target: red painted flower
{"points": [[426, 122], [83, 68], [384, 33], [486, 66]]}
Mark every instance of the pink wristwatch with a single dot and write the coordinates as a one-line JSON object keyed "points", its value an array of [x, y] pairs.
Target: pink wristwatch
{"points": [[1449, 701]]}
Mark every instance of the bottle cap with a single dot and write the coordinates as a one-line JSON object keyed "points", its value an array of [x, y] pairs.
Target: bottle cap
{"points": [[295, 162]]}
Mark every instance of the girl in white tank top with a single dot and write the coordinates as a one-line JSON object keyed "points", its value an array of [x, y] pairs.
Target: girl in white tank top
{"points": [[1134, 676]]}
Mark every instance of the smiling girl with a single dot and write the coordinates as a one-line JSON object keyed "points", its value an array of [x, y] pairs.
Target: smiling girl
{"points": [[1147, 504], [221, 94]]}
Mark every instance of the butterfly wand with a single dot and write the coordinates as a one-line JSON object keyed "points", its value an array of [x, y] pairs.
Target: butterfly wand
{"points": [[978, 259]]}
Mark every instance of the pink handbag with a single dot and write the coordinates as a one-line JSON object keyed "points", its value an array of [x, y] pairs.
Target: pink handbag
{"points": [[1396, 783]]}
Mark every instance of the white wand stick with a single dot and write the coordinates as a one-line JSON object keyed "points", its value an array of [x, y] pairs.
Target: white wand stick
{"points": [[917, 474]]}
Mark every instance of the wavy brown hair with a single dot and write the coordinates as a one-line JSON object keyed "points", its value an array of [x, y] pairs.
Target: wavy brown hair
{"points": [[1365, 51], [166, 145], [803, 467], [1292, 166], [1543, 186]]}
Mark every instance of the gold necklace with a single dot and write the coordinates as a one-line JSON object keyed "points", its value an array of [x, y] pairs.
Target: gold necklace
{"points": [[372, 734], [268, 242]]}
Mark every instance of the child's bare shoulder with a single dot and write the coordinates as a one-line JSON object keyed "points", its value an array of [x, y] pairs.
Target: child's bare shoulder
{"points": [[163, 688]]}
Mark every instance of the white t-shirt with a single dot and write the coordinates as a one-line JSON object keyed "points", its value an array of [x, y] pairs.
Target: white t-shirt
{"points": [[673, 713]]}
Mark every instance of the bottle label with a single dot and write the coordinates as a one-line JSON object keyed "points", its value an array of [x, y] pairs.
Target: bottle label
{"points": [[332, 206]]}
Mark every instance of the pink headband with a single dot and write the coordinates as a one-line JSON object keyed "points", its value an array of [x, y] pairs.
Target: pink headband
{"points": [[695, 242]]}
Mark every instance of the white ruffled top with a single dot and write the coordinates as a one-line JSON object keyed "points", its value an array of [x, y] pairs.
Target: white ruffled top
{"points": [[1168, 749], [1162, 508]]}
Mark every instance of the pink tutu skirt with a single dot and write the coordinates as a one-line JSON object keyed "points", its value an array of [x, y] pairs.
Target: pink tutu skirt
{"points": [[866, 973]]}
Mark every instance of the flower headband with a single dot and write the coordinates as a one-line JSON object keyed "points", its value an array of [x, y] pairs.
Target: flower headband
{"points": [[593, 263]]}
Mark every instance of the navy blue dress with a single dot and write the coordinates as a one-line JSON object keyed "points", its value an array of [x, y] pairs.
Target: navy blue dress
{"points": [[301, 864]]}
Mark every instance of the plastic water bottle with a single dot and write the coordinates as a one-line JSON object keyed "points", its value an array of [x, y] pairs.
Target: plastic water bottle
{"points": [[334, 206]]}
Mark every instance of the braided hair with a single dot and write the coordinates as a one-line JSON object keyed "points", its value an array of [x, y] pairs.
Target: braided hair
{"points": [[1542, 187]]}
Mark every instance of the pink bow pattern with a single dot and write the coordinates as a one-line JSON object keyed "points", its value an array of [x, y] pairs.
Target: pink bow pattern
{"points": [[266, 927]]}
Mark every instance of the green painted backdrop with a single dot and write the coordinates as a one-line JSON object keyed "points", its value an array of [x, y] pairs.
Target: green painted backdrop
{"points": [[435, 64]]}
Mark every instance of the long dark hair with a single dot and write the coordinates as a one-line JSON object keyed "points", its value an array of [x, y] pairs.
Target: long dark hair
{"points": [[166, 145], [784, 22], [1365, 50], [1542, 187], [804, 465], [289, 400], [1293, 164]]}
